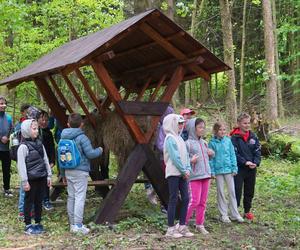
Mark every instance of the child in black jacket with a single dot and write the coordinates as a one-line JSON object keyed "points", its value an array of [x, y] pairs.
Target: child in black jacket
{"points": [[248, 154]]}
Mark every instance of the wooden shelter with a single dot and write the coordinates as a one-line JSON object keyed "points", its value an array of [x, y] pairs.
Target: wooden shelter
{"points": [[147, 51]]}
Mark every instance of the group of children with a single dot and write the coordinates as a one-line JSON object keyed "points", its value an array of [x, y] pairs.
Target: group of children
{"points": [[191, 163], [188, 161]]}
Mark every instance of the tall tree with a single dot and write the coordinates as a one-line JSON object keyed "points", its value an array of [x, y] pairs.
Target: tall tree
{"points": [[279, 85], [271, 95], [242, 66], [230, 101]]}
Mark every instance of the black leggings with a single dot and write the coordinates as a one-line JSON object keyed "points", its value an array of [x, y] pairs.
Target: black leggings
{"points": [[6, 163], [33, 198]]}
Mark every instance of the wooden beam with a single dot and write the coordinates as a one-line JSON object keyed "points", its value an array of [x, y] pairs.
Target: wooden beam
{"points": [[142, 92], [115, 97], [89, 91], [155, 174], [51, 100], [161, 81], [166, 97], [147, 45], [106, 103], [60, 94], [78, 98], [126, 178], [143, 108], [153, 34]]}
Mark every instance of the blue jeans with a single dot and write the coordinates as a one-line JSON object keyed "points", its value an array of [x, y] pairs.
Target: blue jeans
{"points": [[177, 183], [21, 199]]}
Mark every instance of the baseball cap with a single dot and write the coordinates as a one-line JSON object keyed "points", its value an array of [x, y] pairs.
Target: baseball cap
{"points": [[186, 111], [181, 119]]}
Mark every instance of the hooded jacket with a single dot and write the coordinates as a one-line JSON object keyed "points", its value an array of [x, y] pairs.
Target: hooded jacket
{"points": [[175, 154], [84, 146], [249, 150], [197, 146], [224, 161], [6, 127], [32, 160]]}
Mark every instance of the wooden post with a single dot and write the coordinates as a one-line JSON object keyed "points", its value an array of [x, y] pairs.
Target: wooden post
{"points": [[161, 81], [60, 94], [126, 178], [78, 98], [51, 100], [115, 96]]}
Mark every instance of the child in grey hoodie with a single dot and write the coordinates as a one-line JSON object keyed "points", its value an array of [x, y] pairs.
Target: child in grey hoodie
{"points": [[35, 173]]}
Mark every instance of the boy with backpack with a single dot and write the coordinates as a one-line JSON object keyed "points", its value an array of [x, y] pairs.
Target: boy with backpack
{"points": [[74, 154]]}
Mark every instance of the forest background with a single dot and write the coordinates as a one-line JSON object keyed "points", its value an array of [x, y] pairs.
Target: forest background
{"points": [[258, 39]]}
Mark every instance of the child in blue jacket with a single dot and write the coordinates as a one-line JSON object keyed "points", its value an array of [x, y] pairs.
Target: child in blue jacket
{"points": [[77, 178], [224, 168]]}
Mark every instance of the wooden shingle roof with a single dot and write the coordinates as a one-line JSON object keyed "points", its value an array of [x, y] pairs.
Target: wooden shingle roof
{"points": [[136, 54]]}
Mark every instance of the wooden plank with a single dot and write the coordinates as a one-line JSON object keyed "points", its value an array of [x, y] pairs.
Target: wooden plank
{"points": [[60, 94], [161, 81], [147, 29], [78, 98], [153, 171], [105, 182], [115, 97], [142, 92], [166, 97], [147, 45], [89, 91], [51, 100], [143, 108], [111, 205]]}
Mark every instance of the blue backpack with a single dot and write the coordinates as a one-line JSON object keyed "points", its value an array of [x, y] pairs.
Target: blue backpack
{"points": [[68, 154]]}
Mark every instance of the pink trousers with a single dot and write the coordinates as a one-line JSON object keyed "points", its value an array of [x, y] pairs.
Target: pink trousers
{"points": [[198, 191]]}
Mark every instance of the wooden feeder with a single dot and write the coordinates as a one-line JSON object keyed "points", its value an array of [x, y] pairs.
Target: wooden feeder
{"points": [[147, 51]]}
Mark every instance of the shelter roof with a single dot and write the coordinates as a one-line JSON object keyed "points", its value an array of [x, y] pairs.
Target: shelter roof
{"points": [[136, 54]]}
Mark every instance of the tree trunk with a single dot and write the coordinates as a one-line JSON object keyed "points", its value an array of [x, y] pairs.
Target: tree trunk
{"points": [[204, 91], [242, 72], [279, 87], [230, 101], [272, 107]]}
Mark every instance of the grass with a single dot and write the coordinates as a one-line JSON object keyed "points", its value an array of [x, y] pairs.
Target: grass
{"points": [[142, 226]]}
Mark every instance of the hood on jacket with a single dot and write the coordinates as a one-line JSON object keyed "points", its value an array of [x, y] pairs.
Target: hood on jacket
{"points": [[25, 128], [71, 133], [170, 124], [168, 111], [191, 129], [237, 131]]}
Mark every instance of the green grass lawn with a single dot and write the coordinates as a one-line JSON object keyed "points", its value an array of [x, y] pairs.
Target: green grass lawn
{"points": [[142, 226]]}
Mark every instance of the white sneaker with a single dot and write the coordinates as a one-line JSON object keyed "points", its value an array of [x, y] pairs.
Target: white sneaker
{"points": [[72, 228], [184, 230], [173, 232], [225, 219], [238, 219], [151, 196], [202, 229], [80, 229]]}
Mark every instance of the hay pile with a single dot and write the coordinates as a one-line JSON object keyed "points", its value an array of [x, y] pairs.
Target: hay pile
{"points": [[114, 135]]}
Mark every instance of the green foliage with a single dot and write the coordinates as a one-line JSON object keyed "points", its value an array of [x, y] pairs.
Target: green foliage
{"points": [[285, 146]]}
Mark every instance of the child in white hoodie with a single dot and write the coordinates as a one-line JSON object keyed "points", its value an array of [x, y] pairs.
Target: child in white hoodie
{"points": [[35, 173], [177, 172]]}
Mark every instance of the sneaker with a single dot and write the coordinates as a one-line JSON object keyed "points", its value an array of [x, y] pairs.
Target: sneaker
{"points": [[238, 219], [201, 229], [21, 216], [163, 210], [47, 205], [249, 216], [151, 196], [173, 232], [30, 230], [8, 193], [184, 230], [80, 229], [39, 227], [72, 228], [225, 219]]}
